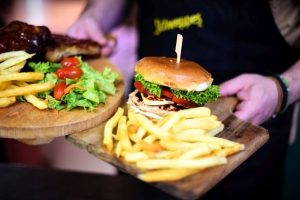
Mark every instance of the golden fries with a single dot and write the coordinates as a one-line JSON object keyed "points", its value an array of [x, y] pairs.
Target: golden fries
{"points": [[14, 60], [13, 82], [22, 76], [28, 89], [166, 175], [171, 148], [110, 125], [6, 101]]}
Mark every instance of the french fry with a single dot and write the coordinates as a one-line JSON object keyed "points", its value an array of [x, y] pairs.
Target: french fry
{"points": [[6, 101], [174, 118], [169, 154], [171, 148], [229, 151], [131, 116], [173, 145], [22, 76], [151, 128], [194, 112], [11, 54], [141, 132], [199, 163], [108, 129], [152, 147], [135, 156], [205, 123], [166, 175], [34, 100], [14, 69], [28, 89], [118, 149], [126, 145], [215, 131], [150, 139], [14, 60], [193, 131], [4, 85], [196, 152], [205, 138]]}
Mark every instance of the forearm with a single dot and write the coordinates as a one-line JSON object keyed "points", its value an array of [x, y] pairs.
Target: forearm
{"points": [[108, 13], [293, 77]]}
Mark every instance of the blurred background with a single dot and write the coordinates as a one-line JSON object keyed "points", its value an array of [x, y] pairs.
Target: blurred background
{"points": [[58, 15]]}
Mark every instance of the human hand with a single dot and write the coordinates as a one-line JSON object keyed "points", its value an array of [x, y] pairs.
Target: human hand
{"points": [[258, 95], [87, 27]]}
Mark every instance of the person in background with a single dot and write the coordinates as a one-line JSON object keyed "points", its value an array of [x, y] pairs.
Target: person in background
{"points": [[251, 47]]}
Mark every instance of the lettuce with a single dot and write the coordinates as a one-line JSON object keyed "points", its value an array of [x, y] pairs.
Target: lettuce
{"points": [[151, 87], [210, 94], [44, 67], [200, 98]]}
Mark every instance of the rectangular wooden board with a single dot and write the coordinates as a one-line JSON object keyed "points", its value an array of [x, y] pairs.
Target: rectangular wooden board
{"points": [[192, 187]]}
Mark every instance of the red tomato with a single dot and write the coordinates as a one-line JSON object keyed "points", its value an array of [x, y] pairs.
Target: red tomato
{"points": [[69, 62], [59, 90], [167, 93], [183, 102], [139, 86], [69, 72]]}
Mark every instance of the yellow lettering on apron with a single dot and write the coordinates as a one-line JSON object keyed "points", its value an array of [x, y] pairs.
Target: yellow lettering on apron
{"points": [[183, 22]]}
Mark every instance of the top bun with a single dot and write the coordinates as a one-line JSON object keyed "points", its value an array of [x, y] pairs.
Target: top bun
{"points": [[186, 75]]}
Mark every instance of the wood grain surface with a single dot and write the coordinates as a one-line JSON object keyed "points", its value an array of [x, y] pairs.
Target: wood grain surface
{"points": [[192, 187], [33, 126]]}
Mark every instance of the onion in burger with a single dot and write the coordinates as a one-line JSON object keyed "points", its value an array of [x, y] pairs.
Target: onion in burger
{"points": [[164, 86]]}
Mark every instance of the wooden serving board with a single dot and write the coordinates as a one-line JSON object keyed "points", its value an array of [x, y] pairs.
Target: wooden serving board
{"points": [[192, 187], [34, 126]]}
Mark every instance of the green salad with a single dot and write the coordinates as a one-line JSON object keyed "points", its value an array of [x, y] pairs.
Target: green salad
{"points": [[76, 84]]}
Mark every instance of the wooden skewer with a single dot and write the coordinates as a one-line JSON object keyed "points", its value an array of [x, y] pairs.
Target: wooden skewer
{"points": [[178, 47]]}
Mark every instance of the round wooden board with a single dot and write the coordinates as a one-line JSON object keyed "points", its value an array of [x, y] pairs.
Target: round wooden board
{"points": [[24, 121]]}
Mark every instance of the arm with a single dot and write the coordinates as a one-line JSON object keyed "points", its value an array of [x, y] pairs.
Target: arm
{"points": [[108, 13], [98, 18]]}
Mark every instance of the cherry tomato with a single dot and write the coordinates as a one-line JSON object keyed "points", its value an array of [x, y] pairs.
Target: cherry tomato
{"points": [[69, 62], [59, 90], [139, 86], [167, 93], [69, 72], [183, 102]]}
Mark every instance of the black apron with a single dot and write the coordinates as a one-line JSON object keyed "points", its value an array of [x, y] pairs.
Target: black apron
{"points": [[228, 37]]}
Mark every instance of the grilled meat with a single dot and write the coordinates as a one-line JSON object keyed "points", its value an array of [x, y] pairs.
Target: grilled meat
{"points": [[39, 40], [21, 36], [63, 46]]}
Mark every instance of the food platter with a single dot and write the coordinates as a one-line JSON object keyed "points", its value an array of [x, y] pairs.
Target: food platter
{"points": [[194, 186], [26, 122]]}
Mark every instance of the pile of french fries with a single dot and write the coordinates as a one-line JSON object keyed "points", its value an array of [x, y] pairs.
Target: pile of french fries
{"points": [[179, 145], [14, 83]]}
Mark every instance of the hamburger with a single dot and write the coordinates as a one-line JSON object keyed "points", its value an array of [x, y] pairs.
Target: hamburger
{"points": [[163, 86]]}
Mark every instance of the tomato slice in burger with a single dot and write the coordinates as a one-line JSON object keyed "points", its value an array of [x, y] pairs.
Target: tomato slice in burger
{"points": [[183, 102], [139, 86], [167, 93]]}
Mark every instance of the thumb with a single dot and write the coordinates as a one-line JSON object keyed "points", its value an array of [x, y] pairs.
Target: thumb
{"points": [[231, 86]]}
